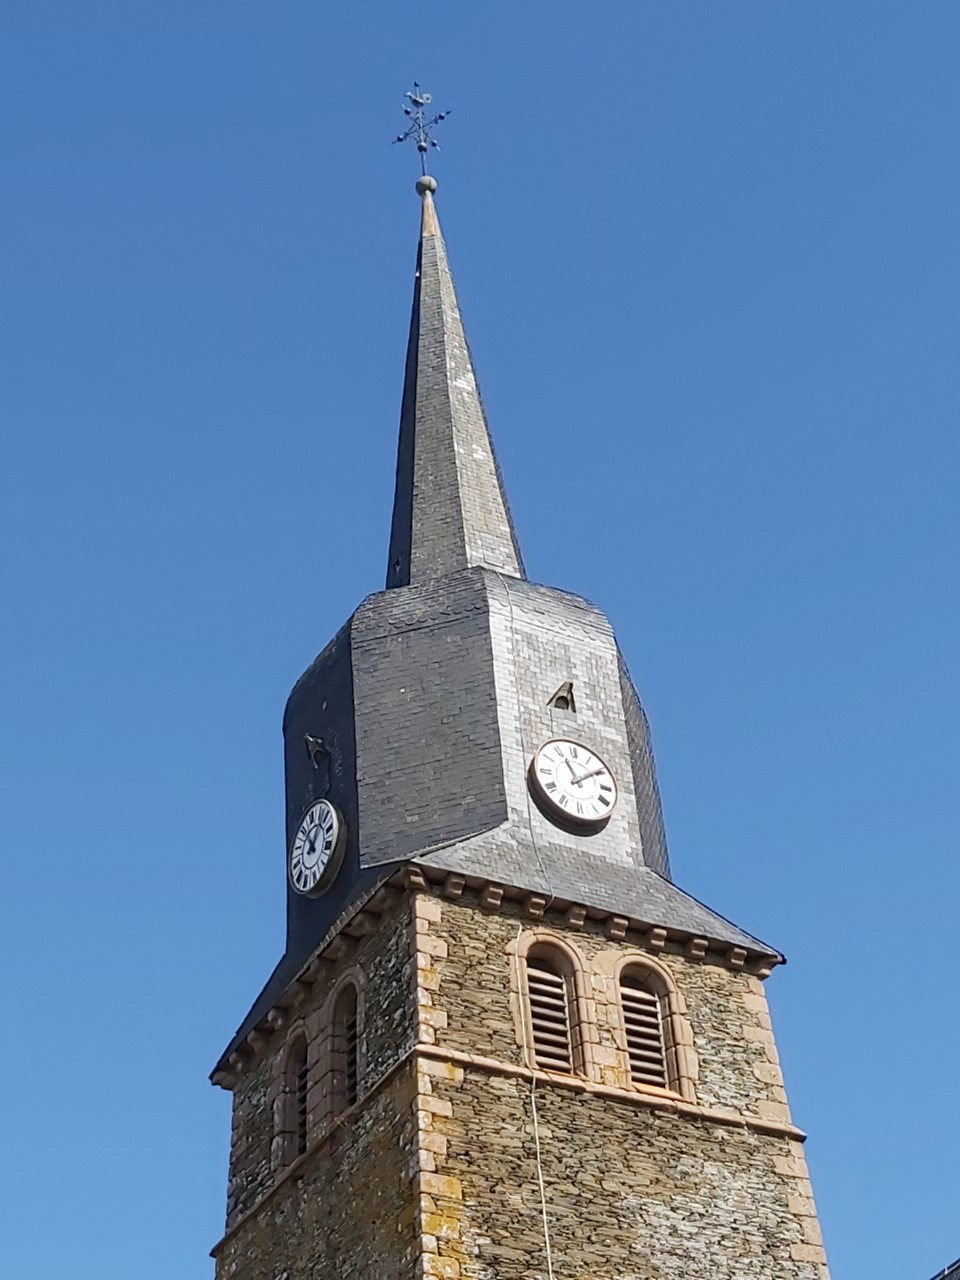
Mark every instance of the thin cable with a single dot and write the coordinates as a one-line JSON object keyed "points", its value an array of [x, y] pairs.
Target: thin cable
{"points": [[521, 990]]}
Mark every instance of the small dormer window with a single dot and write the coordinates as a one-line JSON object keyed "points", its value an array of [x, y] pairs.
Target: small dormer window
{"points": [[563, 699]]}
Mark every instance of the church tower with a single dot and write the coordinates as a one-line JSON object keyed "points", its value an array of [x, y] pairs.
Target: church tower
{"points": [[501, 1043]]}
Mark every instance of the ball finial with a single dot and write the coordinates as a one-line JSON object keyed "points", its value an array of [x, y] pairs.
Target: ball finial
{"points": [[425, 184]]}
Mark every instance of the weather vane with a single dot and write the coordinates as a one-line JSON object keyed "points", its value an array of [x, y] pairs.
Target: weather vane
{"points": [[420, 126]]}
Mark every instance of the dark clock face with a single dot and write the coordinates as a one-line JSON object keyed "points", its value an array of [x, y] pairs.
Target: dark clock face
{"points": [[316, 848], [573, 783]]}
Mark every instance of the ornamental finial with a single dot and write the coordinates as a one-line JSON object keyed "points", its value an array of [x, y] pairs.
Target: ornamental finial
{"points": [[420, 126]]}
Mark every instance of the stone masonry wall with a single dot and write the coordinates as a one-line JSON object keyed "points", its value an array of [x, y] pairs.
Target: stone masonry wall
{"points": [[347, 1210], [726, 1010], [640, 1184], [360, 1152], [632, 1193], [435, 1171]]}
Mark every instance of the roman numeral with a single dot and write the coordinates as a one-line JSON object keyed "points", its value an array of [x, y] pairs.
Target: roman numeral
{"points": [[551, 786], [604, 800], [564, 800]]}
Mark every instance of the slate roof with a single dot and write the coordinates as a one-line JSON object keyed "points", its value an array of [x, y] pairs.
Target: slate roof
{"points": [[638, 893], [450, 510], [433, 697]]}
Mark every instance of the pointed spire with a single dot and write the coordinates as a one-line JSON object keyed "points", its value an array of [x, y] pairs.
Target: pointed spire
{"points": [[450, 511]]}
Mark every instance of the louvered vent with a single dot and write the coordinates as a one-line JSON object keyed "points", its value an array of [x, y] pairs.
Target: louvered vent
{"points": [[301, 1086], [346, 1050], [643, 1020], [296, 1085], [350, 1053], [549, 1016]]}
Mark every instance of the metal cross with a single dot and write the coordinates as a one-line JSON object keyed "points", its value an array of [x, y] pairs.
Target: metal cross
{"points": [[420, 127]]}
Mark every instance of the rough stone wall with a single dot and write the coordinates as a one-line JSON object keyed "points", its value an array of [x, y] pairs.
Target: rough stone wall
{"points": [[381, 965], [639, 1184], [726, 1010], [632, 1193], [434, 1171], [347, 1211]]}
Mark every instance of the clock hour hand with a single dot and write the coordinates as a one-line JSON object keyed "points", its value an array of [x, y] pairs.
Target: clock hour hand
{"points": [[575, 776], [592, 774]]}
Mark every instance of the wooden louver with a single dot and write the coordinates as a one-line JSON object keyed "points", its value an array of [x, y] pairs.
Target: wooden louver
{"points": [[346, 1049], [549, 1016], [301, 1088], [644, 1026], [350, 1054]]}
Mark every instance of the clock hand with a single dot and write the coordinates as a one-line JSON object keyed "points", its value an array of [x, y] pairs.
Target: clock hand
{"points": [[592, 774], [575, 778]]}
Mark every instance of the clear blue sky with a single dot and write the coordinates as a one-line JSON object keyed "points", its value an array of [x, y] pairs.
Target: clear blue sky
{"points": [[709, 261]]}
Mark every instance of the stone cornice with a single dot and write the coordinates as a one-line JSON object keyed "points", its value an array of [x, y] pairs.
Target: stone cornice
{"points": [[563, 912], [364, 918]]}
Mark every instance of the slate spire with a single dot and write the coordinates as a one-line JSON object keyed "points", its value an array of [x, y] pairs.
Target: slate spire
{"points": [[450, 511]]}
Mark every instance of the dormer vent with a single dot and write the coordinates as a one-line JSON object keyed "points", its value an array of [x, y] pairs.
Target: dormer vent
{"points": [[563, 699]]}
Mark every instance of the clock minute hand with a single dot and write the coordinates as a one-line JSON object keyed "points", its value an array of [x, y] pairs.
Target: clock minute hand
{"points": [[592, 774]]}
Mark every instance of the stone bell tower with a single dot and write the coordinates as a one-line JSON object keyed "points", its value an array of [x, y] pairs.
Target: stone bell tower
{"points": [[502, 1043]]}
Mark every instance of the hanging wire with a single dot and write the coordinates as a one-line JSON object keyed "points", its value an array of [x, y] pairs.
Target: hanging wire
{"points": [[521, 995]]}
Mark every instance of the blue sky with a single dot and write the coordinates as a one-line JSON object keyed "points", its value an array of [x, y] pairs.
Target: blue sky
{"points": [[708, 259]]}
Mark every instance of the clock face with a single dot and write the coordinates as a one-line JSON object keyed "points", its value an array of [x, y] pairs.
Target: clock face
{"points": [[573, 782], [316, 848]]}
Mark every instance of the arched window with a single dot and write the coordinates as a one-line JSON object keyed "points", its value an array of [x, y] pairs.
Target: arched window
{"points": [[552, 1008], [642, 998], [345, 1049], [294, 1114]]}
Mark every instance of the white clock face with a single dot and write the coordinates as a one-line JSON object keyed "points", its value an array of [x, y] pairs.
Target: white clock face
{"points": [[572, 781], [316, 847]]}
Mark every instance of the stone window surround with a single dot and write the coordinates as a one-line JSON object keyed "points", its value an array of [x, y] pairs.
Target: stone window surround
{"points": [[317, 1030], [596, 991], [284, 1150], [681, 1057], [334, 1058], [569, 964]]}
